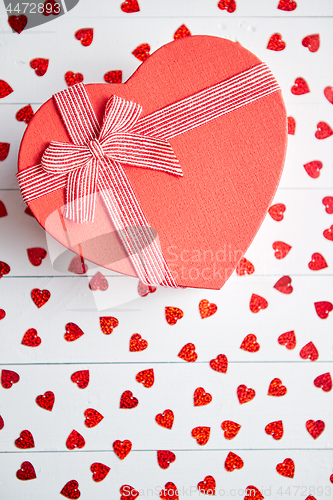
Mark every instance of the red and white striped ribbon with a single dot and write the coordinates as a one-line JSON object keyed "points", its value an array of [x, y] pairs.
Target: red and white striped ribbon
{"points": [[93, 161]]}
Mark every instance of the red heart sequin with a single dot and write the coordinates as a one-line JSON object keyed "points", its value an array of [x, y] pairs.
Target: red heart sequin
{"points": [[257, 303], [328, 93], [2, 423], [145, 377], [8, 378], [250, 343], [2, 314], [93, 417], [36, 255], [276, 211], [165, 458], [128, 492], [5, 90], [26, 472], [187, 353], [252, 493], [288, 339], [228, 5], [182, 32], [313, 168], [291, 125], [201, 397], [328, 233], [130, 6], [144, 290], [73, 332], [219, 364], [281, 249], [40, 297], [81, 378], [25, 114], [230, 428], [315, 428], [324, 381], [137, 343], [244, 267], [309, 351], [31, 338], [201, 434], [276, 43], [275, 429], [286, 468], [25, 440], [51, 7], [71, 490], [122, 448], [207, 486], [4, 268], [165, 419], [100, 471], [276, 388], [323, 131], [244, 394], [75, 440], [312, 42], [317, 262], [73, 78], [98, 282], [3, 211], [127, 400], [107, 324], [233, 462], [287, 5], [18, 23], [206, 309], [4, 146], [85, 35], [77, 265], [283, 285], [46, 401], [39, 65], [115, 76], [173, 314], [169, 492], [142, 52], [300, 87]]}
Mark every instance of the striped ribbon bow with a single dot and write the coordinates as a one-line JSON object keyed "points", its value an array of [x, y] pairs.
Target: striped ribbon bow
{"points": [[94, 161]]}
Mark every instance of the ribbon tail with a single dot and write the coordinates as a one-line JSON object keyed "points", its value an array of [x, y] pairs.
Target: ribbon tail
{"points": [[81, 193]]}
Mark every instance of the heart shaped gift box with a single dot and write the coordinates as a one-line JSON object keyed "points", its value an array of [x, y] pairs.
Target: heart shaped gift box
{"points": [[167, 177]]}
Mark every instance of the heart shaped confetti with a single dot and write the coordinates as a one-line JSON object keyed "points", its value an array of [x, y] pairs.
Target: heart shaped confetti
{"points": [[228, 5], [276, 388], [100, 471], [281, 249], [36, 255], [130, 6], [40, 297], [244, 267], [328, 93], [315, 428], [81, 378], [201, 434], [173, 314], [93, 417], [4, 269], [233, 462], [328, 203], [165, 458], [317, 262], [71, 490], [25, 114], [145, 377], [128, 492], [144, 290], [4, 146], [328, 233], [286, 468], [230, 428], [85, 35], [73, 78], [276, 211], [26, 472], [309, 351], [2, 423], [300, 87], [127, 400], [165, 419], [283, 285], [77, 265], [107, 324], [207, 486], [31, 338], [3, 211], [324, 381], [137, 343], [75, 440], [5, 89], [287, 5], [245, 394], [122, 448], [219, 364], [115, 76], [46, 400], [291, 125], [187, 353], [288, 339], [142, 52], [312, 42], [181, 32], [2, 314], [275, 429], [73, 332], [98, 282], [25, 440], [18, 23], [252, 493], [8, 378], [257, 303], [276, 43], [40, 65], [323, 131], [169, 492], [206, 309], [201, 397], [250, 343]]}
